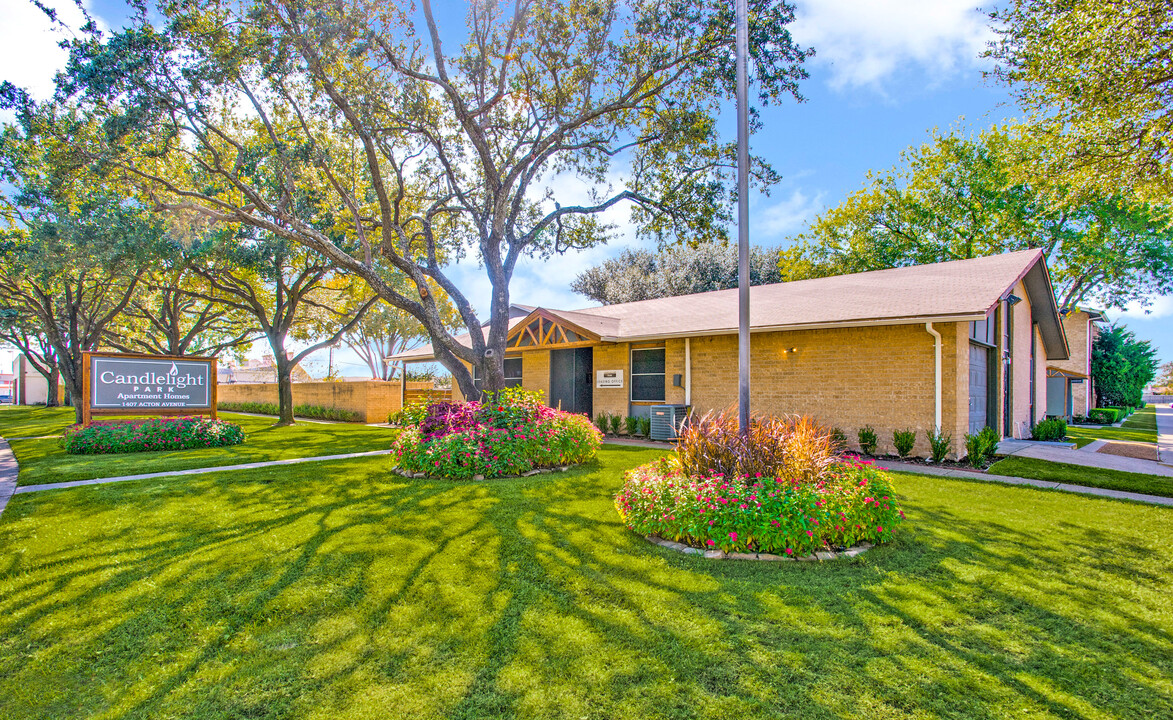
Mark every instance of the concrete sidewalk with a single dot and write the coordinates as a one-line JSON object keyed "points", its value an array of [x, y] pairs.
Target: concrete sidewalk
{"points": [[8, 472], [192, 471], [1164, 433], [1055, 453], [986, 477]]}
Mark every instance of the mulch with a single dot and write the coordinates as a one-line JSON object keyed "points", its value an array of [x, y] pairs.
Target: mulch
{"points": [[1141, 451]]}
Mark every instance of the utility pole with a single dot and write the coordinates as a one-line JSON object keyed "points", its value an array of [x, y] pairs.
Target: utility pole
{"points": [[742, 33]]}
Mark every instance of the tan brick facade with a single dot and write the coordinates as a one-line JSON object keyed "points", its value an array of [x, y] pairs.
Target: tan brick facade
{"points": [[881, 375], [1080, 331]]}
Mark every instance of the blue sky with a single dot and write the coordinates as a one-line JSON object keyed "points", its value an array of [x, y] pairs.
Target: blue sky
{"points": [[886, 73]]}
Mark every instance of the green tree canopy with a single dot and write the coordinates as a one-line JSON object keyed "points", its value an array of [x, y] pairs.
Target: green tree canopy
{"points": [[423, 145], [958, 197], [74, 244], [1121, 367], [287, 291], [1094, 77], [680, 270]]}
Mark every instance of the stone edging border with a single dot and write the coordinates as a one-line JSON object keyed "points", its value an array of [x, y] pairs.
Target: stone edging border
{"points": [[477, 478], [722, 555]]}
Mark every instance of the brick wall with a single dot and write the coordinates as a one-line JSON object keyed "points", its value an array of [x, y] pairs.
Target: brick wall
{"points": [[845, 378], [1077, 327], [373, 399]]}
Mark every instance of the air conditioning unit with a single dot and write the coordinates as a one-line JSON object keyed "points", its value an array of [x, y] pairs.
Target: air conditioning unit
{"points": [[666, 420]]}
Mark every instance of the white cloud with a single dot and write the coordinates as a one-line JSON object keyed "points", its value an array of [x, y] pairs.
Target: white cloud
{"points": [[865, 41], [1161, 306], [29, 52], [786, 216]]}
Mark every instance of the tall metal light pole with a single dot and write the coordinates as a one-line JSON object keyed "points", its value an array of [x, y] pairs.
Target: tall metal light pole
{"points": [[742, 217]]}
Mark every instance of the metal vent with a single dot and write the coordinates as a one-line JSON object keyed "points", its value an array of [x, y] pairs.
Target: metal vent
{"points": [[665, 421]]}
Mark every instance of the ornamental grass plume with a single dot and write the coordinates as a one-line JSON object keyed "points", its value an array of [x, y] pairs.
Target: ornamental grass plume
{"points": [[795, 448]]}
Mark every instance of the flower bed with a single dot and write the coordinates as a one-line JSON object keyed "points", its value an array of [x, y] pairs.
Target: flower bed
{"points": [[126, 436], [800, 499], [511, 434]]}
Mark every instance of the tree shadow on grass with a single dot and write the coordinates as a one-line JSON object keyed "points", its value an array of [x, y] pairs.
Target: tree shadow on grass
{"points": [[348, 592]]}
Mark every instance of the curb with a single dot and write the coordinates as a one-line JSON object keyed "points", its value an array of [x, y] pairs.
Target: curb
{"points": [[478, 478], [820, 555]]}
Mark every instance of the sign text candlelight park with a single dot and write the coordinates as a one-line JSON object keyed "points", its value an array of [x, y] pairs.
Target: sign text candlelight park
{"points": [[150, 385]]}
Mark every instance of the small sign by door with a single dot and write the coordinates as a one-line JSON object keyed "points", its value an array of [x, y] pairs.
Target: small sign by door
{"points": [[609, 379]]}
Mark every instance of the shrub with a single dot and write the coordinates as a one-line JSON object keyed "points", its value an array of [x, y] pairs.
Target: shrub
{"points": [[980, 447], [1078, 419], [868, 440], [616, 421], [849, 503], [645, 426], [839, 440], [989, 441], [508, 434], [904, 440], [975, 449], [940, 445], [187, 433], [1049, 429], [793, 448], [603, 422], [631, 425], [411, 414], [1101, 416], [315, 412]]}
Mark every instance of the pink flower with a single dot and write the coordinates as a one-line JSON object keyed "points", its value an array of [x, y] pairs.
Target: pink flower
{"points": [[711, 542], [789, 551], [733, 536]]}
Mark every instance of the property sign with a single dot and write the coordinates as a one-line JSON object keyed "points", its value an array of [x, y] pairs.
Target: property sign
{"points": [[128, 384], [609, 379]]}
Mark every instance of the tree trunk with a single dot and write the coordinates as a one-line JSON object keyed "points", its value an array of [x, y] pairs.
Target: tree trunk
{"points": [[52, 381], [284, 392], [73, 392]]}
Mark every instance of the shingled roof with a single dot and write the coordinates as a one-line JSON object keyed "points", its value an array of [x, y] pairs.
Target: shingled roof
{"points": [[955, 291]]}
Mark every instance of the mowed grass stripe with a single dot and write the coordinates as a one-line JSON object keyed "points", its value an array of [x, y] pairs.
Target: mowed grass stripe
{"points": [[43, 461], [342, 591]]}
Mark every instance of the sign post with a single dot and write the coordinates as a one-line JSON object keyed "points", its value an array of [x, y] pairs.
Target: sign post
{"points": [[160, 385]]}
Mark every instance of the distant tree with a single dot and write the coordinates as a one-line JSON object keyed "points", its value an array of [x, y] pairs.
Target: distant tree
{"points": [[1122, 366], [387, 330], [680, 270], [176, 312], [957, 198], [1094, 77], [423, 152], [1165, 378], [289, 292]]}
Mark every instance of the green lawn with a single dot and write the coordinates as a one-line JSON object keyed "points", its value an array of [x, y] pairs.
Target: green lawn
{"points": [[43, 461], [341, 591], [1079, 475], [1141, 426]]}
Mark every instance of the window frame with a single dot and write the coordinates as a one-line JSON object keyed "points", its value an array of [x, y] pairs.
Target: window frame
{"points": [[509, 381], [633, 375]]}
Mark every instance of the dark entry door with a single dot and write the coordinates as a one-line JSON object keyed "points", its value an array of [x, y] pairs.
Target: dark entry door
{"points": [[979, 387], [571, 377]]}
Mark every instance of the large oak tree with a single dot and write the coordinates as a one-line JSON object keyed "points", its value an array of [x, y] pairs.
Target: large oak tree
{"points": [[960, 197], [424, 143], [1095, 78]]}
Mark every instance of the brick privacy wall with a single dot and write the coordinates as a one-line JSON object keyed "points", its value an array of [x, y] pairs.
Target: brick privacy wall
{"points": [[846, 378], [374, 399]]}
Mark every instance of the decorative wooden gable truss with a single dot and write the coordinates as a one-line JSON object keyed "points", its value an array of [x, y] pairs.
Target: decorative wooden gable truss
{"points": [[542, 329]]}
